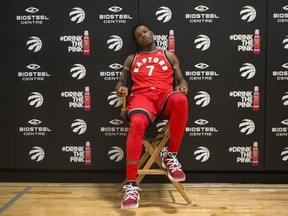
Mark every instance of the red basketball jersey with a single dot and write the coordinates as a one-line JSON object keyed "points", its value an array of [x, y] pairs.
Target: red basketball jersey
{"points": [[151, 70]]}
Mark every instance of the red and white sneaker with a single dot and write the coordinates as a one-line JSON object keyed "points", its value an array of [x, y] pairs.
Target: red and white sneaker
{"points": [[175, 173], [131, 197]]}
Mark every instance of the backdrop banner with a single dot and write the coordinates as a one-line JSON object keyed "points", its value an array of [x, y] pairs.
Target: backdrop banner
{"points": [[276, 151], [67, 58], [7, 146]]}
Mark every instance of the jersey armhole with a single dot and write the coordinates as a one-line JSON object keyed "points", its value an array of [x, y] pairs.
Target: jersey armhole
{"points": [[167, 58]]}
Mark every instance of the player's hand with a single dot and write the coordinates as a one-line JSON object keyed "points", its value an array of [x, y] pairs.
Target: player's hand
{"points": [[182, 88], [123, 90]]}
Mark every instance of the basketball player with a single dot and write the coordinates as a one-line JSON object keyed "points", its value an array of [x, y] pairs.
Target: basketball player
{"points": [[151, 72]]}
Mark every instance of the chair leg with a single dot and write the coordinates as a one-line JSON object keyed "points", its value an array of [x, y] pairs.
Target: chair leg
{"points": [[151, 156], [182, 191]]}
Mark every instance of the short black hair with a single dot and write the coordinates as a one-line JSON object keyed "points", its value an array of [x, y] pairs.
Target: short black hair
{"points": [[136, 26]]}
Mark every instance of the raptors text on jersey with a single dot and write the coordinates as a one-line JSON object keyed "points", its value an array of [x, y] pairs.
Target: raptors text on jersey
{"points": [[152, 70]]}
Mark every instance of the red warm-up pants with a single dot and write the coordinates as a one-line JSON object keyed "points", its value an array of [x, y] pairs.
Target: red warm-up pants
{"points": [[142, 110]]}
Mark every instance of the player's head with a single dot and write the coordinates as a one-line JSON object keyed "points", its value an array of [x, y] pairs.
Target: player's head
{"points": [[143, 35]]}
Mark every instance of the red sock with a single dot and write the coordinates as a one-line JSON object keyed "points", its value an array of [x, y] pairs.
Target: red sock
{"points": [[131, 172]]}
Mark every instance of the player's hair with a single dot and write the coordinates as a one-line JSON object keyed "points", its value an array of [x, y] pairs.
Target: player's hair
{"points": [[136, 26]]}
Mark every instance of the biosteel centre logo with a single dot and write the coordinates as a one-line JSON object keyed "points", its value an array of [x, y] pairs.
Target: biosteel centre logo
{"points": [[116, 154], [77, 15], [163, 14], [281, 17], [115, 17], [248, 13], [35, 99], [116, 129], [202, 129], [281, 74], [34, 129], [200, 17], [201, 73], [78, 71], [113, 73], [281, 131], [32, 73], [202, 154], [37, 154], [247, 70], [32, 18], [202, 99], [34, 44], [202, 42], [247, 126]]}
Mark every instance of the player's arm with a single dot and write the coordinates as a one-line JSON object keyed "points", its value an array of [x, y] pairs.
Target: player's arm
{"points": [[182, 84], [120, 88]]}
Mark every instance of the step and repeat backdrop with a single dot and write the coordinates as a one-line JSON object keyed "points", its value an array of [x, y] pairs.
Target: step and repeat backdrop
{"points": [[276, 151], [64, 58]]}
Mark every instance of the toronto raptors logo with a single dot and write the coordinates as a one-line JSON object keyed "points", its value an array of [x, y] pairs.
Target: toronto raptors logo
{"points": [[156, 60]]}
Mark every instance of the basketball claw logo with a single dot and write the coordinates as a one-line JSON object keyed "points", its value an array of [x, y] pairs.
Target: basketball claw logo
{"points": [[77, 15], [202, 99], [285, 99], [164, 14], [247, 126], [285, 42], [202, 154], [116, 154], [115, 43], [247, 70], [35, 99], [37, 154], [248, 13], [114, 100], [78, 71], [34, 44], [161, 125], [284, 154], [79, 126], [202, 42]]}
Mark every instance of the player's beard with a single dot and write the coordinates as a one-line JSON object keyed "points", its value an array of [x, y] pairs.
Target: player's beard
{"points": [[147, 44]]}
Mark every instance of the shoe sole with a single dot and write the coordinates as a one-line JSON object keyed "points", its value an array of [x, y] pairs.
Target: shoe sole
{"points": [[131, 206], [128, 207]]}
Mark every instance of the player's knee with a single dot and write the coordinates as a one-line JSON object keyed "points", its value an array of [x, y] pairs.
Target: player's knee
{"points": [[138, 122], [180, 101]]}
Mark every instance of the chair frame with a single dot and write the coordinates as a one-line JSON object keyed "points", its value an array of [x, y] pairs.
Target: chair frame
{"points": [[152, 154]]}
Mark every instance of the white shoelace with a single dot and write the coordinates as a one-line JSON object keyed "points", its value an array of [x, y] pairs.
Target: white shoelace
{"points": [[131, 192], [173, 163]]}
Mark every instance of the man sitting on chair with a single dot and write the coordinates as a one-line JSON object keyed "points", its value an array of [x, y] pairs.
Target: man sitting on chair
{"points": [[152, 77]]}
